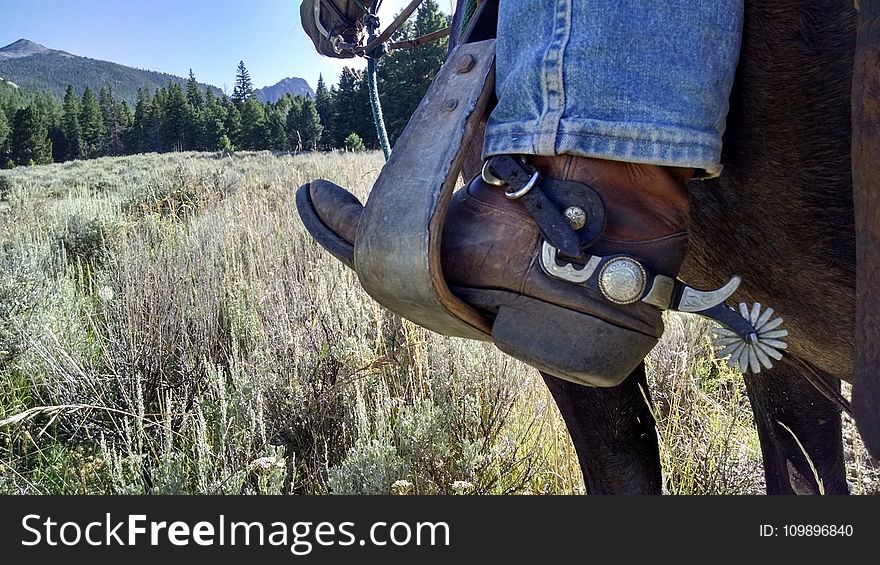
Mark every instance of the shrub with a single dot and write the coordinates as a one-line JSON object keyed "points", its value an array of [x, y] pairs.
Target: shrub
{"points": [[21, 285], [180, 194], [5, 187], [354, 143], [225, 145], [85, 240]]}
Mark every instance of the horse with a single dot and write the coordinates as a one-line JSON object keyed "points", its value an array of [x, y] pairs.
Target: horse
{"points": [[781, 215]]}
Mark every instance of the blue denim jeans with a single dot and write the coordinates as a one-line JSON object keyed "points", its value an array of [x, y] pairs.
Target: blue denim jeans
{"points": [[639, 81]]}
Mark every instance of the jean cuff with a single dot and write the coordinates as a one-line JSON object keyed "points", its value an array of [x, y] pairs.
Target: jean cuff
{"points": [[672, 146]]}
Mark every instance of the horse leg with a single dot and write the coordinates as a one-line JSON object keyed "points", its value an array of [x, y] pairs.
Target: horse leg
{"points": [[613, 433], [786, 407]]}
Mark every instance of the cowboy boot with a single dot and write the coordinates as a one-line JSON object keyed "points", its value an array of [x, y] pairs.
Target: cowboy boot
{"points": [[588, 311], [592, 316]]}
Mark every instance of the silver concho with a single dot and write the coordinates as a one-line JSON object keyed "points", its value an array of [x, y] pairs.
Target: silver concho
{"points": [[575, 217], [622, 280]]}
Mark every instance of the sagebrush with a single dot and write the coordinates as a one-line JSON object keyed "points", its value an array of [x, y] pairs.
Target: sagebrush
{"points": [[167, 326]]}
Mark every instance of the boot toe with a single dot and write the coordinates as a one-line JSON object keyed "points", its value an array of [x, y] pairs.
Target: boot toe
{"points": [[337, 208]]}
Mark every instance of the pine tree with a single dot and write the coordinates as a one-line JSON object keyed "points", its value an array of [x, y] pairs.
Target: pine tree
{"points": [[30, 139], [137, 132], [153, 136], [324, 106], [212, 130], [232, 121], [73, 140], [126, 120], [225, 144], [244, 89], [363, 123], [4, 131], [174, 134], [4, 138], [194, 92], [112, 143], [253, 125], [406, 74], [48, 110], [352, 108], [353, 142], [212, 120], [304, 125], [276, 114], [291, 125], [92, 123]]}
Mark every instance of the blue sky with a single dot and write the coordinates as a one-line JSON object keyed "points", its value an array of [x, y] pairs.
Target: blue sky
{"points": [[172, 36]]}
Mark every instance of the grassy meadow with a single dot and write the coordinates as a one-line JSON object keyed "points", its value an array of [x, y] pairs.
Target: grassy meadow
{"points": [[167, 326]]}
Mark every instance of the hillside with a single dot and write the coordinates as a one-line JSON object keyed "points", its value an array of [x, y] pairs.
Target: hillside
{"points": [[294, 86], [33, 66]]}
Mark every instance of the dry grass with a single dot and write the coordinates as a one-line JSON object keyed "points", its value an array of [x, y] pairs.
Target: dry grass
{"points": [[167, 326]]}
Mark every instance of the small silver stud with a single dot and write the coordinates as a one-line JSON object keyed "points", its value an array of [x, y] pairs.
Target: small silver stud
{"points": [[575, 217]]}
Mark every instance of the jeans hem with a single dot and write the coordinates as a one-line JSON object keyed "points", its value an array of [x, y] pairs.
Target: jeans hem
{"points": [[637, 143]]}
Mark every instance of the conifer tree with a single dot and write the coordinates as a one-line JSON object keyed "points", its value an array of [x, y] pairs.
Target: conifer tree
{"points": [[232, 122], [137, 132], [324, 107], [48, 111], [194, 92], [73, 141], [304, 125], [92, 124], [276, 135], [244, 89], [406, 74], [353, 142], [291, 125], [126, 120], [212, 120], [30, 139], [253, 125], [174, 120], [225, 144], [4, 135], [112, 143], [153, 136], [352, 107], [212, 130]]}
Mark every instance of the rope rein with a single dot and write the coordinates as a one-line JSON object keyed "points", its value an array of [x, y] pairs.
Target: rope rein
{"points": [[372, 64], [376, 46]]}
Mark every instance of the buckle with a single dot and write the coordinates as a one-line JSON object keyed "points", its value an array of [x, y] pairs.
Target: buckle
{"points": [[509, 170], [517, 194]]}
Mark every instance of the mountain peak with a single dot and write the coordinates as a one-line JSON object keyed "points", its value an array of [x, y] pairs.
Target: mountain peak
{"points": [[25, 48], [294, 86], [23, 44]]}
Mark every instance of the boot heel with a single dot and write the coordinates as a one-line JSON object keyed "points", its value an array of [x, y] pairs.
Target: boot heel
{"points": [[570, 345]]}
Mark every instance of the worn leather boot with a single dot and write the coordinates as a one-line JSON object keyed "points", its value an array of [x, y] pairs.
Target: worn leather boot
{"points": [[591, 316], [596, 329]]}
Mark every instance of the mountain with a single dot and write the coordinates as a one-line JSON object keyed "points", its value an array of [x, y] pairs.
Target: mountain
{"points": [[36, 67], [293, 86], [25, 48]]}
